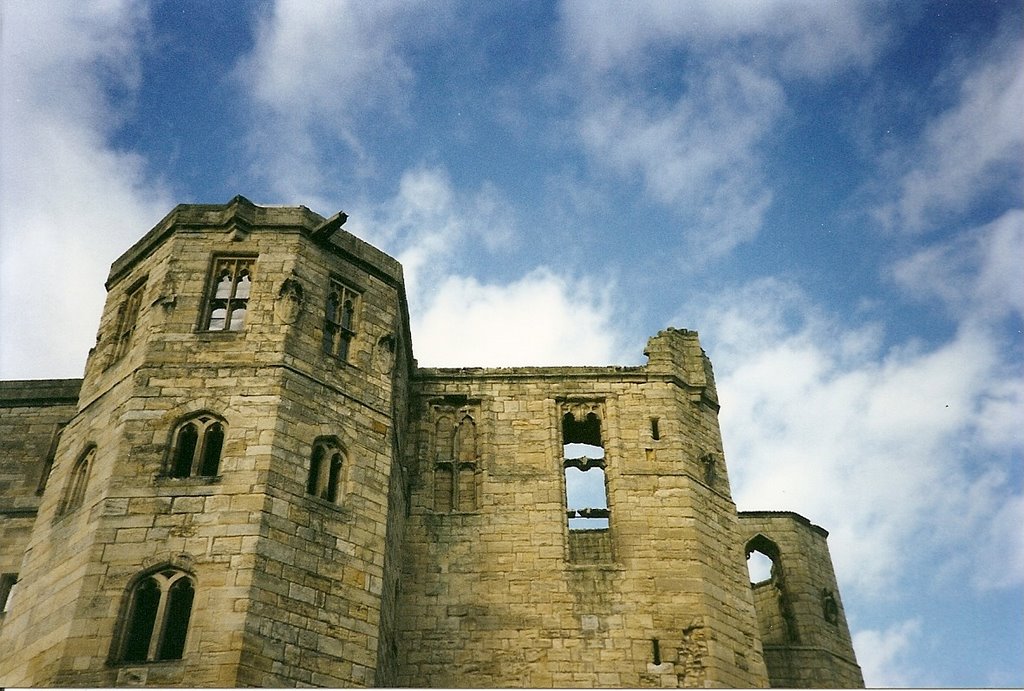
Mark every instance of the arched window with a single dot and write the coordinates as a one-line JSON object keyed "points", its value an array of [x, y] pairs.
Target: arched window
{"points": [[340, 320], [325, 465], [771, 593], [157, 616], [228, 301], [74, 495], [455, 465], [196, 447]]}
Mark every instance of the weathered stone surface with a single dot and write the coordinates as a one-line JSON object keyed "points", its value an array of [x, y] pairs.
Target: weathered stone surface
{"points": [[368, 522]]}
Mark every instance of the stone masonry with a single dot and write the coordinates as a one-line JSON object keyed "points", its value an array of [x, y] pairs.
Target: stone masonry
{"points": [[254, 484]]}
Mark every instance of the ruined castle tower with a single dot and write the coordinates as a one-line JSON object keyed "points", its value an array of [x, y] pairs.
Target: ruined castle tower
{"points": [[254, 484]]}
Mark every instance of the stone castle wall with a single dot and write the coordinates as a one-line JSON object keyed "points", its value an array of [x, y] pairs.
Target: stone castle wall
{"points": [[367, 522]]}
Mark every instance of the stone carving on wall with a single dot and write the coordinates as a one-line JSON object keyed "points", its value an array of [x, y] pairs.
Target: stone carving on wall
{"points": [[384, 353], [709, 463], [290, 299], [829, 606], [692, 651]]}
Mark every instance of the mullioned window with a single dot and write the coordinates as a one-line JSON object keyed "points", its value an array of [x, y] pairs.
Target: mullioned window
{"points": [[340, 320], [325, 468], [197, 445], [156, 620], [228, 293]]}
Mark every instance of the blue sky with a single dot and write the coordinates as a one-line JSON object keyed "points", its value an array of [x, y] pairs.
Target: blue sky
{"points": [[829, 192]]}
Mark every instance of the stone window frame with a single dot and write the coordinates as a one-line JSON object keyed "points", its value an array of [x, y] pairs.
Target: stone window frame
{"points": [[78, 481], [236, 267], [8, 584], [341, 316], [587, 430], [328, 465], [160, 623], [456, 461], [128, 319], [777, 582], [207, 449], [50, 457]]}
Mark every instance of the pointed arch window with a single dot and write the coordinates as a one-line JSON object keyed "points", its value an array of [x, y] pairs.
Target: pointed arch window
{"points": [[197, 446], [325, 466], [455, 465], [158, 611], [78, 480], [228, 294], [127, 318], [340, 320]]}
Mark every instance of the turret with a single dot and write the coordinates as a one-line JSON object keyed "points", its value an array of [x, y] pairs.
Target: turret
{"points": [[220, 506]]}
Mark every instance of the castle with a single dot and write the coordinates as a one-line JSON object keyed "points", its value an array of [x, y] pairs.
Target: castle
{"points": [[255, 484]]}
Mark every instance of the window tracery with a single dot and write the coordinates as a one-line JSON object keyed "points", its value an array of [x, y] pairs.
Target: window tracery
{"points": [[228, 295], [78, 480], [340, 320], [325, 468], [456, 461], [158, 612], [197, 445]]}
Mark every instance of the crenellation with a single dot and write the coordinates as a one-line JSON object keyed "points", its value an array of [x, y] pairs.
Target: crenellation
{"points": [[252, 426]]}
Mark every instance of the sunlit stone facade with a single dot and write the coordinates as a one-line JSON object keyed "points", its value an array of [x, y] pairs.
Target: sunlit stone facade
{"points": [[255, 484]]}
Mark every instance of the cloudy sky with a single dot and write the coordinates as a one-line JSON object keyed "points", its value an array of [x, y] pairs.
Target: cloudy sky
{"points": [[829, 192]]}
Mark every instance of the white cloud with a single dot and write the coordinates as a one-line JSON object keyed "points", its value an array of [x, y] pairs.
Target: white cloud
{"points": [[61, 179], [699, 155], [884, 655], [804, 37], [978, 274], [540, 319], [891, 450], [316, 69], [967, 151], [432, 228], [445, 238], [699, 152]]}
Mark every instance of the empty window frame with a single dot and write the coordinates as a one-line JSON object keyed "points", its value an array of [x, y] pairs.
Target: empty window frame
{"points": [[159, 608], [771, 593], [325, 467], [51, 454], [78, 480], [196, 447], [340, 320], [455, 465], [586, 494], [127, 318], [228, 293], [7, 584]]}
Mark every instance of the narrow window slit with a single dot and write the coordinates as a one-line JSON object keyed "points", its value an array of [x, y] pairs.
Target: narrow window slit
{"points": [[656, 651]]}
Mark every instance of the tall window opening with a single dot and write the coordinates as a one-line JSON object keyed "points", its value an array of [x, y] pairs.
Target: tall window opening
{"points": [[586, 494], [51, 455], [7, 584], [339, 320], [325, 466], [159, 610], [197, 447], [771, 596], [228, 301], [127, 318], [456, 461], [74, 495], [760, 566]]}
